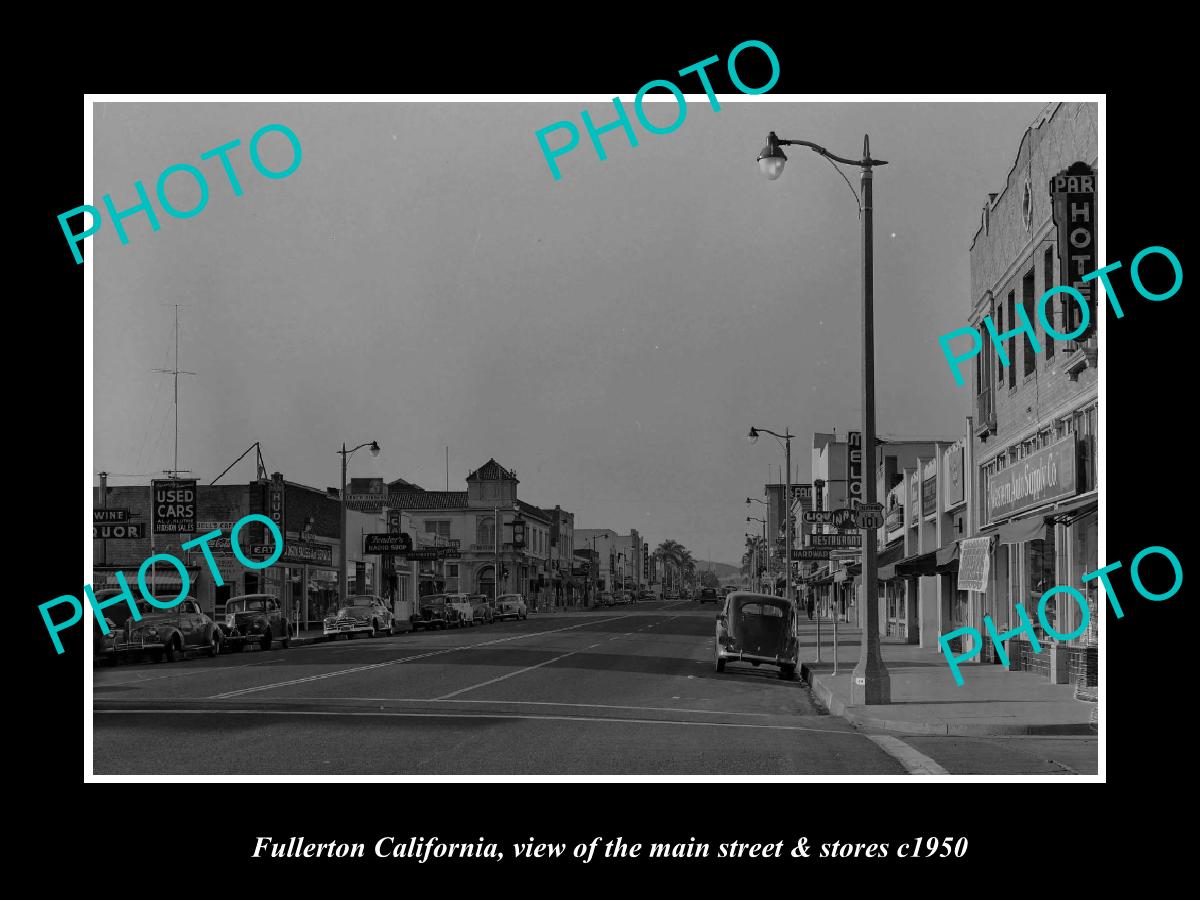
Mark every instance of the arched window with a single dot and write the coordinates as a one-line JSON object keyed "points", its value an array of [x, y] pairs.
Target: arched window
{"points": [[486, 532]]}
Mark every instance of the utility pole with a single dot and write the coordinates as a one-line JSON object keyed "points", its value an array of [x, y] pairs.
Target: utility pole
{"points": [[176, 372]]}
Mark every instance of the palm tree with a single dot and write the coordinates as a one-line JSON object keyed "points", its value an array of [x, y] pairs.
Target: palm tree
{"points": [[676, 559]]}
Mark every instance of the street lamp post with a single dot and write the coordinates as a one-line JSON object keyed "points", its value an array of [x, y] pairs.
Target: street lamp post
{"points": [[346, 454], [870, 683], [786, 440]]}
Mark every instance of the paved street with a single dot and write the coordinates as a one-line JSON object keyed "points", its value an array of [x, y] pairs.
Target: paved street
{"points": [[624, 690]]}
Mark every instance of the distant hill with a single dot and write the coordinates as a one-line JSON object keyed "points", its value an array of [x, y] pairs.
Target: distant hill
{"points": [[723, 571]]}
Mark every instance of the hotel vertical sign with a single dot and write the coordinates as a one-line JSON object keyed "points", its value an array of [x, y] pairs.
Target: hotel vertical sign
{"points": [[1073, 204]]}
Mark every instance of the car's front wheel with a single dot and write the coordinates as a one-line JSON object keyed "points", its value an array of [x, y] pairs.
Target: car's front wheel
{"points": [[286, 640], [265, 643], [720, 665], [214, 643], [787, 673], [374, 628], [173, 650]]}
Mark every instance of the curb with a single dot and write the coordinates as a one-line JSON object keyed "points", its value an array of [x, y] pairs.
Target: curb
{"points": [[824, 695]]}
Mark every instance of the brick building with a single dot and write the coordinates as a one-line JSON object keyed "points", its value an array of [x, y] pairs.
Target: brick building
{"points": [[1033, 462]]}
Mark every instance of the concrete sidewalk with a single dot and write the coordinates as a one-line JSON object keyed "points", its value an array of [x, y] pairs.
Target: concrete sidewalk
{"points": [[925, 698]]}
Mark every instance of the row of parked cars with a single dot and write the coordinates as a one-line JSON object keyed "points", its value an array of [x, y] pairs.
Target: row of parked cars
{"points": [[259, 620], [619, 598], [437, 611], [252, 619]]}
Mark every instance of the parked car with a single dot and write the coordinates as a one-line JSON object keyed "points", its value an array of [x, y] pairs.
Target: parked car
{"points": [[481, 609], [604, 598], [362, 614], [104, 646], [511, 606], [167, 633], [758, 629], [646, 594], [626, 597], [709, 595], [254, 619], [434, 612], [466, 612]]}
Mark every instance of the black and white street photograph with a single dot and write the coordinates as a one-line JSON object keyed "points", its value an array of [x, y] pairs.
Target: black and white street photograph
{"points": [[689, 433]]}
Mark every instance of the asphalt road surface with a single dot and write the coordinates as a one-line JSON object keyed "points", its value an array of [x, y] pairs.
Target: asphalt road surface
{"points": [[628, 690]]}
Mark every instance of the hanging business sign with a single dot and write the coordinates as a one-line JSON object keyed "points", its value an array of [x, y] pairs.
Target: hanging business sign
{"points": [[974, 556], [296, 552], [854, 466], [853, 539], [275, 501], [174, 506], [929, 495], [1041, 477], [1073, 205], [387, 543], [955, 480]]}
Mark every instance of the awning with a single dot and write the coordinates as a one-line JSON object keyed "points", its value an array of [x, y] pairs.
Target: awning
{"points": [[1071, 512], [887, 559], [947, 559], [1017, 531]]}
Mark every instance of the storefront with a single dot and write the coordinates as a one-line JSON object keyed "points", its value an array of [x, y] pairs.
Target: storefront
{"points": [[1046, 536]]}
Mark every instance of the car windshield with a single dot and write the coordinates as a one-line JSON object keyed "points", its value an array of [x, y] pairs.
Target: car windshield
{"points": [[251, 604]]}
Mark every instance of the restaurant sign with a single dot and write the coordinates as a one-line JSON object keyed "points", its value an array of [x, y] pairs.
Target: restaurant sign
{"points": [[1041, 477], [296, 553]]}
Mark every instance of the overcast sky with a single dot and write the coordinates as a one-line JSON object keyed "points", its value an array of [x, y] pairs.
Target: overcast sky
{"points": [[423, 281]]}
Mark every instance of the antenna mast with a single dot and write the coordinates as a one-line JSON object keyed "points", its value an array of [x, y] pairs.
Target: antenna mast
{"points": [[176, 372]]}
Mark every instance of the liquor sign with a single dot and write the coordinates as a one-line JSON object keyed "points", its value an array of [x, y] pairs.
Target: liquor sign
{"points": [[974, 555], [386, 543], [174, 505], [1073, 205], [109, 515], [853, 539], [1043, 476], [117, 530], [854, 466]]}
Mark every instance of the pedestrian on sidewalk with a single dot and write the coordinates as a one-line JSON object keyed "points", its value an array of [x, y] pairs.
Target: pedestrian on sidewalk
{"points": [[810, 607]]}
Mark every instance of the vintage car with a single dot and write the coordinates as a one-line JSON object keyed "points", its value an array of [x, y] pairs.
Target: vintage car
{"points": [[709, 595], [758, 628], [482, 610], [364, 614], [434, 612], [511, 606], [104, 646], [461, 603], [166, 633], [604, 598], [627, 597], [254, 619]]}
